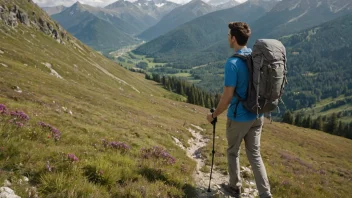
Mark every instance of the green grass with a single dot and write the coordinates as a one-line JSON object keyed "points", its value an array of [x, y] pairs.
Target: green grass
{"points": [[299, 162], [182, 75], [205, 169], [346, 119], [317, 109], [102, 108], [134, 58]]}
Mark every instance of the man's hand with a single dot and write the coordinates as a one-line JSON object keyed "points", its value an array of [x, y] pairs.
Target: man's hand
{"points": [[210, 118]]}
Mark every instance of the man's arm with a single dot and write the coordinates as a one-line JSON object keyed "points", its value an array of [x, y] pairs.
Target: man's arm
{"points": [[224, 101]]}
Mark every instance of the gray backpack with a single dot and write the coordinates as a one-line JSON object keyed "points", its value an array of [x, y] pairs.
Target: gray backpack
{"points": [[267, 76]]}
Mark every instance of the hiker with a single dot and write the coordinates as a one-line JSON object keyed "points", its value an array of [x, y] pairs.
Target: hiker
{"points": [[241, 124]]}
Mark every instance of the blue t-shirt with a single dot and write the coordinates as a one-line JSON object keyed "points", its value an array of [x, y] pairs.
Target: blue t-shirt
{"points": [[236, 75]]}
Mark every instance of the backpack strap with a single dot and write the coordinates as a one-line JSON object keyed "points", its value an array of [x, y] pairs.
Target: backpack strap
{"points": [[239, 99], [257, 86], [243, 57]]}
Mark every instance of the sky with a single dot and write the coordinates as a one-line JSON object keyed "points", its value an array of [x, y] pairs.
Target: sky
{"points": [[100, 3]]}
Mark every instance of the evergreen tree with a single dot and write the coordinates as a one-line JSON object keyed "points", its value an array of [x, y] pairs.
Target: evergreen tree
{"points": [[288, 117], [308, 122], [298, 120], [208, 102], [349, 131], [181, 90], [345, 130], [201, 98], [319, 124], [163, 80], [340, 131], [217, 100], [147, 76], [333, 126]]}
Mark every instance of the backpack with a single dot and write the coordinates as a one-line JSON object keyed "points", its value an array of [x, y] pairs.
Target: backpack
{"points": [[267, 76]]}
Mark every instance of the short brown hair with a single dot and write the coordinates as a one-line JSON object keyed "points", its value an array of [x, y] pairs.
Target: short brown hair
{"points": [[241, 31]]}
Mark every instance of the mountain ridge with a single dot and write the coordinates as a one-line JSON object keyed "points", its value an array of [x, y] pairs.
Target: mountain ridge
{"points": [[177, 17]]}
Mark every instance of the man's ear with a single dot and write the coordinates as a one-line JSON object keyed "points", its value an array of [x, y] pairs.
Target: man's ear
{"points": [[233, 39]]}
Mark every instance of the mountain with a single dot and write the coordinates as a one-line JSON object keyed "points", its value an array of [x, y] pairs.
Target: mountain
{"points": [[113, 27], [187, 46], [228, 4], [177, 17], [285, 17], [218, 2], [296, 15], [54, 10], [92, 26], [156, 8], [129, 20], [274, 25], [149, 12], [320, 65], [130, 13], [76, 124]]}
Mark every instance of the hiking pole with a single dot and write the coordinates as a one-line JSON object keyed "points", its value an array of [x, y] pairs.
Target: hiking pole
{"points": [[213, 152]]}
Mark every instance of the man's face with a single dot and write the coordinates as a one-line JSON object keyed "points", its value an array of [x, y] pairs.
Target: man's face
{"points": [[231, 39]]}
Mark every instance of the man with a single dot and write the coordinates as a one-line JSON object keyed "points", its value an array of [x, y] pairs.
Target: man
{"points": [[243, 125]]}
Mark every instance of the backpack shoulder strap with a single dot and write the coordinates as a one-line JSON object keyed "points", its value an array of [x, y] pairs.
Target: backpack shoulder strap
{"points": [[243, 57], [239, 99]]}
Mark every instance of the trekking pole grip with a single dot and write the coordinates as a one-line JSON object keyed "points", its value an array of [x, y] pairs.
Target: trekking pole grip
{"points": [[212, 110]]}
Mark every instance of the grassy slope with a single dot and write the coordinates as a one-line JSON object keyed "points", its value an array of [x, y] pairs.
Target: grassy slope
{"points": [[300, 162], [317, 109], [102, 108]]}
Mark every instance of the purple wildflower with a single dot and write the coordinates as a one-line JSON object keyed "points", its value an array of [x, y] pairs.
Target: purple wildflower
{"points": [[19, 124], [120, 146], [158, 153], [42, 124], [3, 109], [55, 132], [72, 157], [20, 115]]}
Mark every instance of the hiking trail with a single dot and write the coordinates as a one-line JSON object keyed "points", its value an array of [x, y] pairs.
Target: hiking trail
{"points": [[197, 142]]}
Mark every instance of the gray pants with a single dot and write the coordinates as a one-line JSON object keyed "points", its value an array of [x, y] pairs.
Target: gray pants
{"points": [[250, 132]]}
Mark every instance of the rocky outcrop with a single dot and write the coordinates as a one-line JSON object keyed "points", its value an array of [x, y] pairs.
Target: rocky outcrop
{"points": [[6, 192], [14, 15], [23, 17], [12, 19]]}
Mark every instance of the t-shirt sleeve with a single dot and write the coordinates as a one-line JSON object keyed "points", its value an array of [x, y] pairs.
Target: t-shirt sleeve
{"points": [[230, 77]]}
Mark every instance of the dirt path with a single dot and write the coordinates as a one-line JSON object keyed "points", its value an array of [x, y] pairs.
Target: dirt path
{"points": [[201, 178]]}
